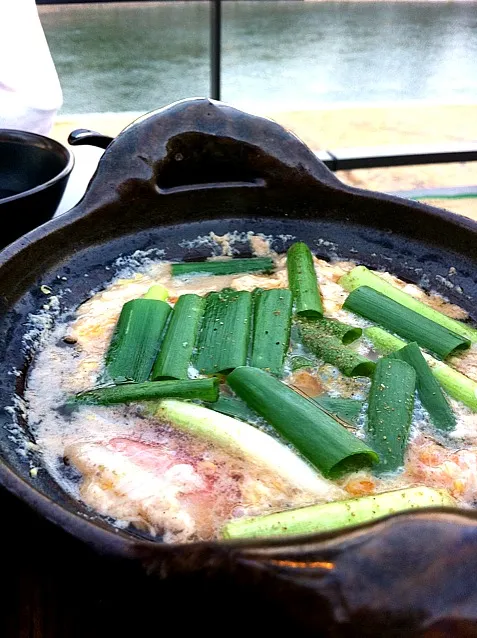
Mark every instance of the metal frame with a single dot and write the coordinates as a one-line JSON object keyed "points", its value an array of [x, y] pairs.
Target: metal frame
{"points": [[352, 159], [385, 156], [215, 48]]}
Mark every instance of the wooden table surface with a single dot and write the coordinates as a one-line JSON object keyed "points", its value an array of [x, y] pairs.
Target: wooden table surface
{"points": [[57, 587]]}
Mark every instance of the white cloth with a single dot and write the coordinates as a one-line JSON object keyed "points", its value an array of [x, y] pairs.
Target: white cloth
{"points": [[30, 91]]}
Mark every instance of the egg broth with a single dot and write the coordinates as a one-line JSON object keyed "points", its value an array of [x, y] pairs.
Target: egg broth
{"points": [[140, 472]]}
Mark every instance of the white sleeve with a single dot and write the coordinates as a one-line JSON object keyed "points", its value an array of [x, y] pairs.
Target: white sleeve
{"points": [[30, 91]]}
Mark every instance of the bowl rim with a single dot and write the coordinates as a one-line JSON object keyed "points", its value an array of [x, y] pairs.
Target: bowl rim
{"points": [[42, 141]]}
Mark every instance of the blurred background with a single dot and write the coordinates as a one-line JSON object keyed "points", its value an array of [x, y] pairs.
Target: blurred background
{"points": [[339, 74]]}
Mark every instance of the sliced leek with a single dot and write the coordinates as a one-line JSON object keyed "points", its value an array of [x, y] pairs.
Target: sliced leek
{"points": [[428, 388], [225, 331], [204, 389], [405, 322], [136, 340], [390, 407], [224, 267], [247, 442], [303, 281], [320, 438], [456, 384], [330, 516], [176, 350], [271, 329], [361, 276], [330, 349]]}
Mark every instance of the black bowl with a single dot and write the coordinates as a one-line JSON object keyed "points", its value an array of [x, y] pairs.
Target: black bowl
{"points": [[34, 171]]}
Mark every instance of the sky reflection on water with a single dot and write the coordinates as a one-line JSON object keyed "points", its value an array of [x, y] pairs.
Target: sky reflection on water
{"points": [[276, 55]]}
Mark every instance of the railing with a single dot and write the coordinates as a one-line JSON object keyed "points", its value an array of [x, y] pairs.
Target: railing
{"points": [[383, 157], [359, 158], [356, 158], [215, 47], [347, 159]]}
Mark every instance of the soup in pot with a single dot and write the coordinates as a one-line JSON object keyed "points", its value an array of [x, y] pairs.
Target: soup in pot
{"points": [[278, 394]]}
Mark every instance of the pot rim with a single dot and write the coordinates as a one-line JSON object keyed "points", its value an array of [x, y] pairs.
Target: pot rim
{"points": [[23, 138]]}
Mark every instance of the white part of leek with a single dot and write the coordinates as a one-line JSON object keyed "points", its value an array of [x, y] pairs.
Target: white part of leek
{"points": [[241, 439], [328, 516]]}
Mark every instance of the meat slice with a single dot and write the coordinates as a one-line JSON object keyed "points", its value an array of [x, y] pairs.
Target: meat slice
{"points": [[435, 466], [152, 487]]}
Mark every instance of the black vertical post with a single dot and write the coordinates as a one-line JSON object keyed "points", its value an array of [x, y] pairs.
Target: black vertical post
{"points": [[215, 53]]}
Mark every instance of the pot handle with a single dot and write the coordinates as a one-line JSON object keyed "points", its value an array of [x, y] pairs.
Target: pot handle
{"points": [[200, 144], [85, 137], [212, 145], [407, 574]]}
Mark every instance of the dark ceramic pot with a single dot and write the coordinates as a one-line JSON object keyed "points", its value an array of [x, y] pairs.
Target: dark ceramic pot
{"points": [[183, 171], [34, 171]]}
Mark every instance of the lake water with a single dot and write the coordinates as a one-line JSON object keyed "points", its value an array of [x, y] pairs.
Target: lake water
{"points": [[276, 55]]}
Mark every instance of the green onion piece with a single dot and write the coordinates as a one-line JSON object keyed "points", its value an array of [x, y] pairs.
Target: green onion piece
{"points": [[331, 350], [346, 409], [231, 406], [247, 442], [428, 388], [225, 331], [158, 291], [297, 362], [391, 402], [324, 326], [136, 340], [456, 384], [320, 438], [271, 329], [224, 266], [205, 389], [405, 322], [303, 281], [176, 350], [330, 516], [361, 276], [383, 341]]}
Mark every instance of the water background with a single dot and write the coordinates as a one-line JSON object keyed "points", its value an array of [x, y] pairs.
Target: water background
{"points": [[276, 55]]}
